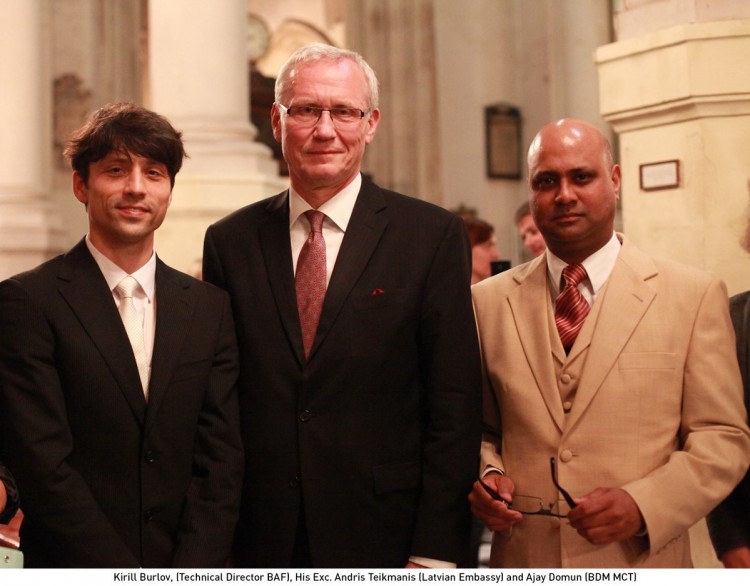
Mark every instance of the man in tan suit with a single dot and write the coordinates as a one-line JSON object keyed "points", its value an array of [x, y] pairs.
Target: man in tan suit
{"points": [[639, 418]]}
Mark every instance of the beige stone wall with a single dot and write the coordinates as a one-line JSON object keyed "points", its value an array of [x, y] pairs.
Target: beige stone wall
{"points": [[678, 94]]}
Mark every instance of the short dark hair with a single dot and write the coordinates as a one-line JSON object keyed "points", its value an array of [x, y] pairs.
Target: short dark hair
{"points": [[479, 231], [523, 210], [125, 127]]}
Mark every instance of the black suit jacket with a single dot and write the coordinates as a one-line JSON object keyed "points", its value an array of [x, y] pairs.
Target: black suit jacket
{"points": [[108, 480], [378, 432], [729, 523], [11, 506]]}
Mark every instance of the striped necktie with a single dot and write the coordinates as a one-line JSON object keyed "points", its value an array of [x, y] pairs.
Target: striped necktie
{"points": [[571, 308]]}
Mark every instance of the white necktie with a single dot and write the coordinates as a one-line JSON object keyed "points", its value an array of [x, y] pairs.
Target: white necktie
{"points": [[134, 327]]}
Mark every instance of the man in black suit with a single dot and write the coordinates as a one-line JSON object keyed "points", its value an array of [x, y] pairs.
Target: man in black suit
{"points": [[360, 422], [118, 407]]}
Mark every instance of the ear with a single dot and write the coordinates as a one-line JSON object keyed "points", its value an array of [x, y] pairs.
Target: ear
{"points": [[80, 189], [276, 122], [616, 179], [372, 125]]}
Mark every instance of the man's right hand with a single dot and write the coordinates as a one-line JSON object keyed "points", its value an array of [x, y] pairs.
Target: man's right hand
{"points": [[739, 557], [494, 513]]}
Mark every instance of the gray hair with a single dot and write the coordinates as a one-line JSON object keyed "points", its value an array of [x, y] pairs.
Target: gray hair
{"points": [[320, 52]]}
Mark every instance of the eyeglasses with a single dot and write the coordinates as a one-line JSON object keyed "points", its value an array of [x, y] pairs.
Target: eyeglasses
{"points": [[532, 505], [311, 114]]}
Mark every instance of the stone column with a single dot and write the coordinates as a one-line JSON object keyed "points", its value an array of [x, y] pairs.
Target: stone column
{"points": [[27, 231], [198, 76], [682, 94], [396, 37]]}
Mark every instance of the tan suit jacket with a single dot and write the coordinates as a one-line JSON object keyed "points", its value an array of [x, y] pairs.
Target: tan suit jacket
{"points": [[653, 405]]}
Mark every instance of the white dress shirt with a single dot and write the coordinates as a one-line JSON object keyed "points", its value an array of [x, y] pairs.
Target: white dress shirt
{"points": [[338, 211], [598, 268], [143, 298]]}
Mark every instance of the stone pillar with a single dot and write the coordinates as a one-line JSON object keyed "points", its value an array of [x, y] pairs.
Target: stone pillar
{"points": [[27, 232], [682, 93], [396, 37], [198, 77]]}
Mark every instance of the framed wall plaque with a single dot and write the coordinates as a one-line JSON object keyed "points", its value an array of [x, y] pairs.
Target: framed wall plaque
{"points": [[503, 141], [661, 175]]}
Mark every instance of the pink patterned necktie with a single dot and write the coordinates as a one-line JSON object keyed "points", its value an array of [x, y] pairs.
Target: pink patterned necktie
{"points": [[310, 280], [571, 308]]}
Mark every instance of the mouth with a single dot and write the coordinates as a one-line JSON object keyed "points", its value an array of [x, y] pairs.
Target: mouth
{"points": [[569, 217], [132, 211]]}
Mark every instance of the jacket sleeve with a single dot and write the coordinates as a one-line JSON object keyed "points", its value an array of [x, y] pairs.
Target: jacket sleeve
{"points": [[212, 504], [451, 375], [713, 435]]}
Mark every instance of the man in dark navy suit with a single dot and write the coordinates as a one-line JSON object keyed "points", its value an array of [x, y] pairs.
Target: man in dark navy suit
{"points": [[359, 378]]}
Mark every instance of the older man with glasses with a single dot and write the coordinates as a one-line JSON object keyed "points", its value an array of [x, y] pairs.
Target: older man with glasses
{"points": [[360, 377]]}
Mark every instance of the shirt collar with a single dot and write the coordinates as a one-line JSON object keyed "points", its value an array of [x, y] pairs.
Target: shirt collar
{"points": [[146, 275], [598, 266], [338, 209]]}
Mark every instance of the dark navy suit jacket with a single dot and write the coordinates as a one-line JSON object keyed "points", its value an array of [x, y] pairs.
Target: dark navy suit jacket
{"points": [[375, 438]]}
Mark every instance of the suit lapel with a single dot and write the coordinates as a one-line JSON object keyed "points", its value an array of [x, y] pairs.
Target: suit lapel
{"points": [[363, 233], [529, 303], [626, 299], [84, 288], [174, 311], [277, 253]]}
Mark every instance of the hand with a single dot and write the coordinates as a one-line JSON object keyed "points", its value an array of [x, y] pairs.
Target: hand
{"points": [[412, 566], [493, 513], [3, 497], [605, 516], [739, 557]]}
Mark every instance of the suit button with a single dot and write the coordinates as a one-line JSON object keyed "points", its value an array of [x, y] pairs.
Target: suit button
{"points": [[567, 405], [294, 482], [566, 456], [305, 416], [149, 457], [148, 515], [565, 379]]}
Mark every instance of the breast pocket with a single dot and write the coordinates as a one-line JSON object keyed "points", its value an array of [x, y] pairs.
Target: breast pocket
{"points": [[190, 370], [646, 361], [380, 298]]}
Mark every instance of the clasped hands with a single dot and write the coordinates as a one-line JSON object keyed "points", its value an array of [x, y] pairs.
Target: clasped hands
{"points": [[603, 516]]}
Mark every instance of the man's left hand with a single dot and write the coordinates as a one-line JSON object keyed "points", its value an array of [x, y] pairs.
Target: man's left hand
{"points": [[606, 515]]}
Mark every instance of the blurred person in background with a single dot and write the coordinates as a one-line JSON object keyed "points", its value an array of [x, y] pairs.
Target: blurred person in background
{"points": [[532, 238], [483, 248]]}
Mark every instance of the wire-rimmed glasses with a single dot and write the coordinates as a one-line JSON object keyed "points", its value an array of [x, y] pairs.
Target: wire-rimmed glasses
{"points": [[309, 115], [532, 505]]}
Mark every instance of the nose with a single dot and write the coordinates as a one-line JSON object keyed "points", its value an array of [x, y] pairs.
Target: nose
{"points": [[136, 181], [324, 127], [566, 194]]}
